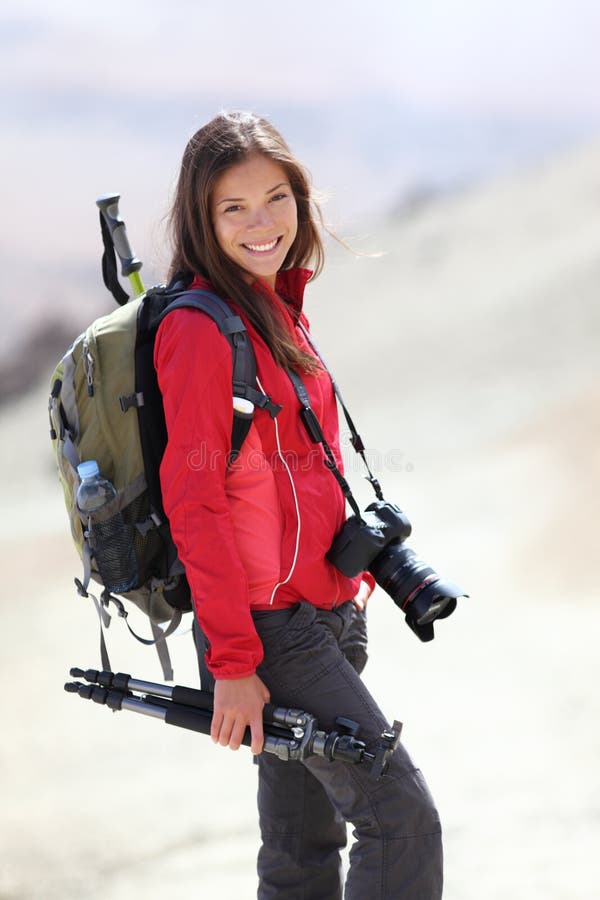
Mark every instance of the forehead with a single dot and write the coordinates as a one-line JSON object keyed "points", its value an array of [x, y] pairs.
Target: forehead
{"points": [[256, 174]]}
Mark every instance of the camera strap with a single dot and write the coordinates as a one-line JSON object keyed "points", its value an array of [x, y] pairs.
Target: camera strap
{"points": [[315, 433], [355, 438]]}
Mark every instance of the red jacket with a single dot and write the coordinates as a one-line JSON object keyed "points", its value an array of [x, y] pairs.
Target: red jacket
{"points": [[253, 535]]}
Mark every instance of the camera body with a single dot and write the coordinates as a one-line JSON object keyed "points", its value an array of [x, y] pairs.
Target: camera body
{"points": [[360, 541], [374, 543]]}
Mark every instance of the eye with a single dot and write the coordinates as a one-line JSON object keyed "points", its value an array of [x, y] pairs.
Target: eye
{"points": [[233, 208], [281, 196]]}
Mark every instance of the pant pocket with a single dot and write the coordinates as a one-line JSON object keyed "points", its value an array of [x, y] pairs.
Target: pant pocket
{"points": [[354, 639], [297, 652]]}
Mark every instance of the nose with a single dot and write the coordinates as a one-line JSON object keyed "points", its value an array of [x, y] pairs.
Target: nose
{"points": [[260, 217]]}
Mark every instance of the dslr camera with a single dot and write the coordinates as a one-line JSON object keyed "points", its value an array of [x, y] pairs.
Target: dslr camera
{"points": [[375, 542]]}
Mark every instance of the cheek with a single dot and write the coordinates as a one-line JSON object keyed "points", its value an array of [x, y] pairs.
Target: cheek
{"points": [[222, 236], [293, 222]]}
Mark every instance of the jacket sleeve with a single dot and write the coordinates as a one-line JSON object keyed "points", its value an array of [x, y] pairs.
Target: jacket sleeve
{"points": [[194, 369]]}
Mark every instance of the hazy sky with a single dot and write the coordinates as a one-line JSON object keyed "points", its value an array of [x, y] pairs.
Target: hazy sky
{"points": [[537, 56], [373, 96]]}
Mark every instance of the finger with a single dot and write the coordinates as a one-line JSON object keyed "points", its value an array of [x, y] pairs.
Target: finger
{"points": [[225, 731], [257, 736], [215, 726], [237, 734]]}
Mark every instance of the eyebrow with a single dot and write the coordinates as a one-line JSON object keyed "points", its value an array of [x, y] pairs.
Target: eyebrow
{"points": [[240, 199]]}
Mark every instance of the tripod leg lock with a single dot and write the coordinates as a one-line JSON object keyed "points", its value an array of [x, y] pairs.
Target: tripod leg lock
{"points": [[283, 749], [388, 742]]}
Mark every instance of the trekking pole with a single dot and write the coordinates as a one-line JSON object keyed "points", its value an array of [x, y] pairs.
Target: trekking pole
{"points": [[108, 205], [289, 734]]}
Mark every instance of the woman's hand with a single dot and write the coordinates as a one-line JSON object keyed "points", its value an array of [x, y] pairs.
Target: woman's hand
{"points": [[364, 592], [239, 703]]}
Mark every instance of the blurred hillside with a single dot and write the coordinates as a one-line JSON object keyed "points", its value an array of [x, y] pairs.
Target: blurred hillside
{"points": [[478, 344], [467, 354], [496, 286], [520, 249], [465, 339], [64, 145]]}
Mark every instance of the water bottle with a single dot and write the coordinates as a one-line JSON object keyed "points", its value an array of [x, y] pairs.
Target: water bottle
{"points": [[109, 537]]}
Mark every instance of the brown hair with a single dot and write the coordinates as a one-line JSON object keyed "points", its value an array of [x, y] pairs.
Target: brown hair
{"points": [[228, 139]]}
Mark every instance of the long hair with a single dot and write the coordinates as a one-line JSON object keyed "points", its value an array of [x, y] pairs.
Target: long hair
{"points": [[228, 139]]}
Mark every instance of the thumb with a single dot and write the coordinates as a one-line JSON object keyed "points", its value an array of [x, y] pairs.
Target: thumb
{"points": [[263, 690]]}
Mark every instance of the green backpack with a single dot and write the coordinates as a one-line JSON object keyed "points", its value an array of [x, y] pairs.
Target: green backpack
{"points": [[105, 405]]}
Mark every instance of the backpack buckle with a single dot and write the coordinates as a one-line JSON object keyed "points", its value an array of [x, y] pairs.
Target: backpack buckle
{"points": [[126, 401]]}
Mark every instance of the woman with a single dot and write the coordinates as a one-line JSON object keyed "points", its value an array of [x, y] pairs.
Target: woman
{"points": [[277, 621]]}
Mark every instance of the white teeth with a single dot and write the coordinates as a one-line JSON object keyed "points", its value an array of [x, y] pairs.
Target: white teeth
{"points": [[262, 248]]}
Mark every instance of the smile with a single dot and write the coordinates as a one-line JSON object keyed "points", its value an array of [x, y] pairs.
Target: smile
{"points": [[262, 248]]}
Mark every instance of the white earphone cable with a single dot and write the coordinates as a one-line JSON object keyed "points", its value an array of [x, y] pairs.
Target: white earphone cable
{"points": [[287, 469]]}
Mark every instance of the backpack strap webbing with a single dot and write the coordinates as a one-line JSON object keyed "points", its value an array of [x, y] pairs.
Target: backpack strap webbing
{"points": [[160, 635]]}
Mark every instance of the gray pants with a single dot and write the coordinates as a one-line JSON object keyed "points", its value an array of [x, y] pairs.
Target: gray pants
{"points": [[312, 661]]}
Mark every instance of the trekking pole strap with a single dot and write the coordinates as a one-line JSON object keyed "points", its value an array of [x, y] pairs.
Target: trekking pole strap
{"points": [[116, 242], [109, 266]]}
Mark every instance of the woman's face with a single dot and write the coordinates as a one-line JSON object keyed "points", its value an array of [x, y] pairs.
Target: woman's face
{"points": [[254, 216]]}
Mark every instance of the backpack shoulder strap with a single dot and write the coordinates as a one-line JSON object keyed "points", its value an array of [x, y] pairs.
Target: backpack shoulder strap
{"points": [[244, 364], [156, 304]]}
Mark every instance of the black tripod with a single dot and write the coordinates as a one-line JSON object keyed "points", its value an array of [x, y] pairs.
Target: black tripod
{"points": [[290, 734]]}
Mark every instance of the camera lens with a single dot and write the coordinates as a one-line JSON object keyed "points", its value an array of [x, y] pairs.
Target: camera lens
{"points": [[415, 587], [375, 542], [400, 573]]}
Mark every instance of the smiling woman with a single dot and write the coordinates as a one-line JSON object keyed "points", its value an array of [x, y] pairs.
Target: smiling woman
{"points": [[236, 173], [275, 619]]}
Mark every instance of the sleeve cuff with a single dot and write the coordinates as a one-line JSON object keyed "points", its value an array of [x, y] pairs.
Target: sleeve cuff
{"points": [[369, 581]]}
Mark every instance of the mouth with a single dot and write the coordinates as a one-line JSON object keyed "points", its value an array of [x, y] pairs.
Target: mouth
{"points": [[263, 249]]}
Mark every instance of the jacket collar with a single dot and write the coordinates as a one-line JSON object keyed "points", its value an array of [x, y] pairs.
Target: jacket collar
{"points": [[289, 285]]}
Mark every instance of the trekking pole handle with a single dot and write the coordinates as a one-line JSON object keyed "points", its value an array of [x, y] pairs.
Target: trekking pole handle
{"points": [[108, 205]]}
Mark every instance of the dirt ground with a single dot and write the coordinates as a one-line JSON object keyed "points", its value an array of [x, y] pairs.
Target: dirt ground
{"points": [[501, 712]]}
